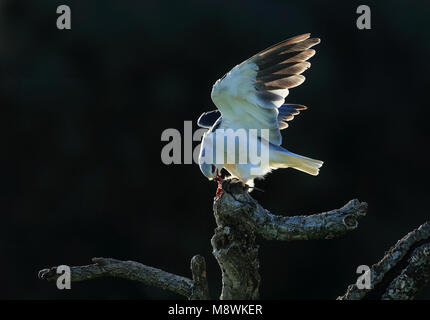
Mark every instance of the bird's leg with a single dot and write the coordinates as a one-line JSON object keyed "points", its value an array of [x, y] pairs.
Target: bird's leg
{"points": [[219, 179]]}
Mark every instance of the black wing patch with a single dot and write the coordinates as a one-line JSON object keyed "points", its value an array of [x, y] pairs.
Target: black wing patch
{"points": [[208, 119], [287, 113]]}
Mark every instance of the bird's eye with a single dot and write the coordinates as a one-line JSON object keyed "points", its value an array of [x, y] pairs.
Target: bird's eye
{"points": [[213, 168]]}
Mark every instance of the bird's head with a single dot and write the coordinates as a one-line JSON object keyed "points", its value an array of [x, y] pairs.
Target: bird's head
{"points": [[207, 165], [211, 171]]}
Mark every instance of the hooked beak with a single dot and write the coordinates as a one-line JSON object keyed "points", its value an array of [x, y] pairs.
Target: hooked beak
{"points": [[216, 175]]}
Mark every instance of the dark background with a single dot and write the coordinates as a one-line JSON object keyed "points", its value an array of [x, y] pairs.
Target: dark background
{"points": [[83, 111]]}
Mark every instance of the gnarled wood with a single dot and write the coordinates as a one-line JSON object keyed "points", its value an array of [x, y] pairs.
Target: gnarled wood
{"points": [[401, 273], [195, 289], [240, 218]]}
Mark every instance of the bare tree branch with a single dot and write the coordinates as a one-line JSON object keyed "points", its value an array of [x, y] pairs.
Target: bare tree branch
{"points": [[238, 204], [413, 278], [200, 289], [402, 272], [239, 218], [107, 267]]}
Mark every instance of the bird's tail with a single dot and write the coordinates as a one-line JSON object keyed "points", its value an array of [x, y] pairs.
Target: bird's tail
{"points": [[283, 158]]}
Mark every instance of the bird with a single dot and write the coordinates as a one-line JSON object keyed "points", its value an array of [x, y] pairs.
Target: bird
{"points": [[251, 96]]}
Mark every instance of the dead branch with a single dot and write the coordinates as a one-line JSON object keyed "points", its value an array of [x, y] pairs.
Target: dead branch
{"points": [[401, 273], [240, 218], [196, 289]]}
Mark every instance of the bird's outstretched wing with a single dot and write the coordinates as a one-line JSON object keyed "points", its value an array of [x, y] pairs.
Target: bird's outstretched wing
{"points": [[286, 112], [250, 94]]}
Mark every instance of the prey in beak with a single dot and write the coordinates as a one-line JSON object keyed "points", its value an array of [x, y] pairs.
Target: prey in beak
{"points": [[219, 179]]}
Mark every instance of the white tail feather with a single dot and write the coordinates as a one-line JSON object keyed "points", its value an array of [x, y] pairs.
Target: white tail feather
{"points": [[288, 159]]}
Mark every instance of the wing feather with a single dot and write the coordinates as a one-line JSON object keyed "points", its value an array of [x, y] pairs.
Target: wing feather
{"points": [[287, 113], [250, 94]]}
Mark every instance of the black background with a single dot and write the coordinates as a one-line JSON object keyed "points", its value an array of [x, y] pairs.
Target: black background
{"points": [[83, 111]]}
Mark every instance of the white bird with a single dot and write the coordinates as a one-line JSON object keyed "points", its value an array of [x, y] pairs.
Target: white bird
{"points": [[252, 96]]}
